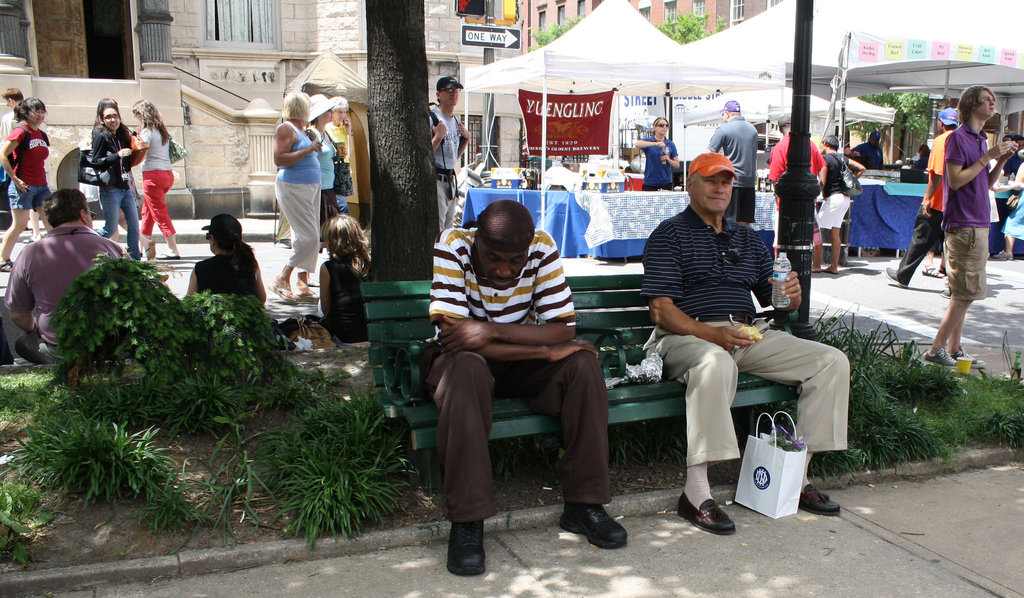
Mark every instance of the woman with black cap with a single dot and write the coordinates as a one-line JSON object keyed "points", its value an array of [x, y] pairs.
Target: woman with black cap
{"points": [[233, 269]]}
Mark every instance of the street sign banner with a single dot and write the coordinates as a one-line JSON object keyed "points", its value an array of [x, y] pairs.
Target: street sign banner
{"points": [[492, 37]]}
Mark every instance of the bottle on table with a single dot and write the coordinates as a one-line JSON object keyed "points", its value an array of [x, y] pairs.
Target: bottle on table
{"points": [[780, 271]]}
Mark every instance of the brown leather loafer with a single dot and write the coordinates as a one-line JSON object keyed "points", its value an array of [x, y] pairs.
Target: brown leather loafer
{"points": [[709, 517], [817, 502]]}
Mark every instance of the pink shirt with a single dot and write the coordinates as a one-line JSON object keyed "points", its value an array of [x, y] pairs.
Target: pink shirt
{"points": [[45, 270]]}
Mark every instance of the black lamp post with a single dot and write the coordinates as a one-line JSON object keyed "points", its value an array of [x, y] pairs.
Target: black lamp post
{"points": [[797, 187]]}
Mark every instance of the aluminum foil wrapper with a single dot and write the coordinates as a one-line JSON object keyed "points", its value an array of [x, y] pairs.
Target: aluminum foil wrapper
{"points": [[647, 371]]}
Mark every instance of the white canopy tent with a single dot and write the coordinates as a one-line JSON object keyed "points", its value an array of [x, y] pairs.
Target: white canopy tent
{"points": [[768, 105], [901, 53], [615, 48]]}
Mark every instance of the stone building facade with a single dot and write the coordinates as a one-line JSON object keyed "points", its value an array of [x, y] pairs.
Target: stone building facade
{"points": [[217, 70]]}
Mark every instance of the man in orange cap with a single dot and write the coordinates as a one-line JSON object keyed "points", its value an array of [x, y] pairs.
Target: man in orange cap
{"points": [[699, 272]]}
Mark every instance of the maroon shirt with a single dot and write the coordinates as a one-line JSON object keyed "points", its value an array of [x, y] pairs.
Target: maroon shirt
{"points": [[45, 270]]}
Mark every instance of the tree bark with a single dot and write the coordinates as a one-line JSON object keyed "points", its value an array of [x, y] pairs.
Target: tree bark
{"points": [[404, 196]]}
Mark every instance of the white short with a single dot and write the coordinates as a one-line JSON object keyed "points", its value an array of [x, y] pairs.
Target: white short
{"points": [[832, 211]]}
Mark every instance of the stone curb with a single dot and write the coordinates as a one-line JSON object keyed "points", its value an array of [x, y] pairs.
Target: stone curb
{"points": [[233, 558]]}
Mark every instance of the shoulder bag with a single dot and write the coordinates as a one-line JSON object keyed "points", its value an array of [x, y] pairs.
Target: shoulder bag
{"points": [[175, 151], [87, 173], [847, 180]]}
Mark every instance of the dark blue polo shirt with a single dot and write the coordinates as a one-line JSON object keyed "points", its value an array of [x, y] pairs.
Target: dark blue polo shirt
{"points": [[707, 274]]}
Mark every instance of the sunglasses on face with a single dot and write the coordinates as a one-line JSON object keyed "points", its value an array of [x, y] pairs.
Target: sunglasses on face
{"points": [[661, 124]]}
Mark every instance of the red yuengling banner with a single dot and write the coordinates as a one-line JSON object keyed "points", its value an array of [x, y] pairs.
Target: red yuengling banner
{"points": [[577, 124]]}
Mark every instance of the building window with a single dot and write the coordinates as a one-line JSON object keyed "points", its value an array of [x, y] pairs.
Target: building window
{"points": [[248, 23], [475, 126], [645, 13], [772, 3], [670, 10], [698, 8], [542, 20], [561, 14], [736, 14], [581, 8]]}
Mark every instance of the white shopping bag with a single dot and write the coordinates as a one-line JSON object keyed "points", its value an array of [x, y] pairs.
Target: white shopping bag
{"points": [[770, 477]]}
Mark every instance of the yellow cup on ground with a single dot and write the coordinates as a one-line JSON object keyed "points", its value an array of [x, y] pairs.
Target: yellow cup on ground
{"points": [[963, 365]]}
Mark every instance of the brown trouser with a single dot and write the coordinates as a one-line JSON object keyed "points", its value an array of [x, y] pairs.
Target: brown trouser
{"points": [[462, 385]]}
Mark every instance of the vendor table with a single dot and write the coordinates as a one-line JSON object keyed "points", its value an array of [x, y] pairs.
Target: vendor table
{"points": [[621, 222], [883, 216], [564, 220]]}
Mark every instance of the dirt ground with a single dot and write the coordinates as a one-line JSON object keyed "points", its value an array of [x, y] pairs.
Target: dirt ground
{"points": [[101, 531]]}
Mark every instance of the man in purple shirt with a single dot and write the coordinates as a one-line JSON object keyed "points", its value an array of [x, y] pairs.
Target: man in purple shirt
{"points": [[45, 270], [965, 220]]}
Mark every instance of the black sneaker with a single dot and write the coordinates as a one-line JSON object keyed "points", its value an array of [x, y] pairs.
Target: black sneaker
{"points": [[7, 266], [466, 548], [891, 274]]}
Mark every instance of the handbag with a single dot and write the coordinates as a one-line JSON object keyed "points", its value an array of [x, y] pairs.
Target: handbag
{"points": [[139, 148], [772, 470], [848, 181], [175, 151], [87, 173], [1013, 200], [309, 327]]}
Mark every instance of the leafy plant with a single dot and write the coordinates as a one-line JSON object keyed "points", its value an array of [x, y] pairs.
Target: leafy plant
{"points": [[1009, 427], [98, 459], [648, 442], [544, 37], [18, 502], [334, 467]]}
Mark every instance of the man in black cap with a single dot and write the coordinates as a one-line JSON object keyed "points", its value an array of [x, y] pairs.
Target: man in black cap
{"points": [[448, 140], [492, 288]]}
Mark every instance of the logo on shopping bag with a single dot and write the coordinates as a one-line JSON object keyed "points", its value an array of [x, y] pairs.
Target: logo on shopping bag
{"points": [[762, 479]]}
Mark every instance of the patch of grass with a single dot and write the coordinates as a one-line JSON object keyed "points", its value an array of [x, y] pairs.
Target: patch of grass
{"points": [[983, 411], [24, 397], [648, 442], [18, 505], [334, 467]]}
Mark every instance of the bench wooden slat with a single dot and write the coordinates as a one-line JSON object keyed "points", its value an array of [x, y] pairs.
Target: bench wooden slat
{"points": [[376, 291], [606, 299], [398, 309]]}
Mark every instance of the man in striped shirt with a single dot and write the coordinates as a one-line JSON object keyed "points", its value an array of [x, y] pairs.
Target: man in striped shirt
{"points": [[506, 328], [699, 272]]}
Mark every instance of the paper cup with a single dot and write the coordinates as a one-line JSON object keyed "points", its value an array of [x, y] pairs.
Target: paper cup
{"points": [[964, 365]]}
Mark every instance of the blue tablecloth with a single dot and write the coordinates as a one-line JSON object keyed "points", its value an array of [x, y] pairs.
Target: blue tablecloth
{"points": [[883, 215], [564, 220], [621, 222]]}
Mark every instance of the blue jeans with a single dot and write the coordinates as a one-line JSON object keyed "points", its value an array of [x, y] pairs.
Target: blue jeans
{"points": [[114, 200], [29, 200]]}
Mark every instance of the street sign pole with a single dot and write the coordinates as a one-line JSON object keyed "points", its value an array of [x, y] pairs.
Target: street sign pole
{"points": [[487, 118]]}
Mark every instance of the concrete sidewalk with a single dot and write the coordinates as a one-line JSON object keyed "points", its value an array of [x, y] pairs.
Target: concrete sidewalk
{"points": [[950, 535]]}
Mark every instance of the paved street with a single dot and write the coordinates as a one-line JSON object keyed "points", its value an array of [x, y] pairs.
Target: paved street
{"points": [[862, 292], [950, 536]]}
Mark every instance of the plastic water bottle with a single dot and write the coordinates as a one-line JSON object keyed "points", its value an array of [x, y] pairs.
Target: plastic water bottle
{"points": [[1015, 372], [780, 271]]}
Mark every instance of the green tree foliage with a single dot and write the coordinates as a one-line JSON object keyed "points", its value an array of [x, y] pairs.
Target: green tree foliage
{"points": [[689, 27], [913, 112], [546, 36]]}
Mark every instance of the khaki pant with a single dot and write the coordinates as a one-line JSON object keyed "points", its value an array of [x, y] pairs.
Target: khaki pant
{"points": [[709, 372]]}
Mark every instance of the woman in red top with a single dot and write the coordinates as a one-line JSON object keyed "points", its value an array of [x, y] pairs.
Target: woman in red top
{"points": [[23, 155]]}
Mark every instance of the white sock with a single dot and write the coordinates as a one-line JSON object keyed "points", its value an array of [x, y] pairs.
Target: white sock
{"points": [[697, 489]]}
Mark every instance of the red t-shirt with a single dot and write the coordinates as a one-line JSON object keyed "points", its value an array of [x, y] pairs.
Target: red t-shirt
{"points": [[30, 167], [780, 156]]}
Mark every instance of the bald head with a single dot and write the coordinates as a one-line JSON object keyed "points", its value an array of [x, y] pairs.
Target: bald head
{"points": [[506, 225]]}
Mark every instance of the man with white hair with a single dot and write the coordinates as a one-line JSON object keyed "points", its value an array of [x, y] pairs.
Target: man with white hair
{"points": [[737, 140]]}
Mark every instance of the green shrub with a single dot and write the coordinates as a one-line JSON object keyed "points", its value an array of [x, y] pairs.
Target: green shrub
{"points": [[1009, 427], [334, 467], [98, 459], [24, 397], [909, 380], [18, 503], [648, 442]]}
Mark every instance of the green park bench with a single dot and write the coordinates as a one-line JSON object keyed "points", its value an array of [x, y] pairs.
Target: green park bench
{"points": [[609, 313]]}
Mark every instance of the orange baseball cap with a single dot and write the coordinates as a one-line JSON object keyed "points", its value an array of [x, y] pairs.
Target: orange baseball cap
{"points": [[710, 164]]}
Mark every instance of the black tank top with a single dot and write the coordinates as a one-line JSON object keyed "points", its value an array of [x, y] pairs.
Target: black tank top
{"points": [[346, 319], [217, 275]]}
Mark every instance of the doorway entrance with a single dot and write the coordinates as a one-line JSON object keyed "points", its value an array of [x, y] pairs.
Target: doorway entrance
{"points": [[84, 38]]}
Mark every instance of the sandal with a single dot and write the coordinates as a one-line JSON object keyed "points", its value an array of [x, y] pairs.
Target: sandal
{"points": [[284, 294], [932, 271]]}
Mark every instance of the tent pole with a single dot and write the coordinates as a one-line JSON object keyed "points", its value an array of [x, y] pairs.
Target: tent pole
{"points": [[844, 66], [543, 148]]}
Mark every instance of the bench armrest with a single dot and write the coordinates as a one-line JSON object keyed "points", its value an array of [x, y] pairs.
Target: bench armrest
{"points": [[783, 318], [614, 338], [401, 368]]}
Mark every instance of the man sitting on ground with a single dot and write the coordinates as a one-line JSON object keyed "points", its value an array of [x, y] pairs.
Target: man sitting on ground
{"points": [[493, 287], [699, 272], [45, 270]]}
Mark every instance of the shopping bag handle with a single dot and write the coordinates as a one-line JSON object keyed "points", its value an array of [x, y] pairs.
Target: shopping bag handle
{"points": [[771, 418]]}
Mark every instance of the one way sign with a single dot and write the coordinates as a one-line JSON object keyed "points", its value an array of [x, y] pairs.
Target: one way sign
{"points": [[491, 37]]}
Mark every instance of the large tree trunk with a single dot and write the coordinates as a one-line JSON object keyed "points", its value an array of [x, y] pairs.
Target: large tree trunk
{"points": [[404, 200]]}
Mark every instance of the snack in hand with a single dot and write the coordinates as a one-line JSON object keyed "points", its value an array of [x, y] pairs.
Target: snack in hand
{"points": [[752, 331]]}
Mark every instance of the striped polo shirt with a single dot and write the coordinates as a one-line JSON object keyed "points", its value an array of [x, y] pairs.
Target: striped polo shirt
{"points": [[540, 294], [707, 274]]}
